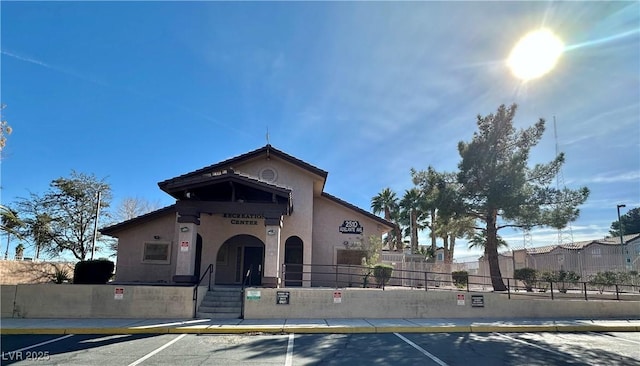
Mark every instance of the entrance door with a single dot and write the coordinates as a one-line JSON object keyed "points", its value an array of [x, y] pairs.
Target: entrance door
{"points": [[253, 260], [293, 261]]}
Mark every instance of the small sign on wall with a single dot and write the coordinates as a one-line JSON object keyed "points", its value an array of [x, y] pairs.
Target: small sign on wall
{"points": [[118, 293], [282, 297], [337, 297], [477, 301], [184, 246], [460, 299]]}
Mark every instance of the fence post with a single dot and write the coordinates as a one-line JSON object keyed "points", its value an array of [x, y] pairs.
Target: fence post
{"points": [[617, 293], [467, 282], [584, 285], [508, 289], [426, 281], [551, 287], [336, 276]]}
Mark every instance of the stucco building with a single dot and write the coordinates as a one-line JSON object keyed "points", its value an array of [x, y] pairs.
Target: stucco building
{"points": [[248, 214]]}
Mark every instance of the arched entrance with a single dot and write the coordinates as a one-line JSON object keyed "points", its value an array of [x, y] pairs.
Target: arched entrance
{"points": [[293, 255], [239, 255]]}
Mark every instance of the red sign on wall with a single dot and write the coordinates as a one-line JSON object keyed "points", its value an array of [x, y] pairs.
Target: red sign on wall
{"points": [[184, 246]]}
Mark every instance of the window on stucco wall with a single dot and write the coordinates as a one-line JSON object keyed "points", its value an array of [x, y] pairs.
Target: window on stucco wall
{"points": [[350, 256], [156, 252]]}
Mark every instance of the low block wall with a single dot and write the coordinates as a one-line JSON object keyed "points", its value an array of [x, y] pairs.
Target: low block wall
{"points": [[96, 301], [262, 303]]}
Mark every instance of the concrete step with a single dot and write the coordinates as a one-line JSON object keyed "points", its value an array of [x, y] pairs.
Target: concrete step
{"points": [[205, 315], [214, 303], [219, 309], [222, 298]]}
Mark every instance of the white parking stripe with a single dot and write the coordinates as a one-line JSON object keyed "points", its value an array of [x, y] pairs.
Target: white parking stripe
{"points": [[531, 344], [148, 355], [434, 358], [43, 343], [613, 336], [289, 359]]}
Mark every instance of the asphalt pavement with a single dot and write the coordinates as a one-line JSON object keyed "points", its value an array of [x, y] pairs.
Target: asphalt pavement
{"points": [[9, 326]]}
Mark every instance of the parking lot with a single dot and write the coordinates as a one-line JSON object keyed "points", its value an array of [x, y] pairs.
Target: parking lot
{"points": [[613, 348]]}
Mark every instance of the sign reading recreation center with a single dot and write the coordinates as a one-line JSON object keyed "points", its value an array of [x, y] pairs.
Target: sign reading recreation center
{"points": [[351, 227], [243, 219]]}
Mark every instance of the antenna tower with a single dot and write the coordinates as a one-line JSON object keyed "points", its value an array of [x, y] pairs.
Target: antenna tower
{"points": [[565, 236]]}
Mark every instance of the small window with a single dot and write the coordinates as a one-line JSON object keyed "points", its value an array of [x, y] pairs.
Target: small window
{"points": [[440, 257], [157, 252], [350, 256], [597, 253]]}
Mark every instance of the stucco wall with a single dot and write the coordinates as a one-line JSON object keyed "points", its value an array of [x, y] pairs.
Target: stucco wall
{"points": [[369, 303], [130, 267], [327, 239], [96, 301]]}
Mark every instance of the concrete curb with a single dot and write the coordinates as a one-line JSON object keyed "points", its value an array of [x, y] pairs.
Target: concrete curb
{"points": [[325, 329]]}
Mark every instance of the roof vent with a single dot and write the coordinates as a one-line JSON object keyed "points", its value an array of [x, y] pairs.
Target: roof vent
{"points": [[268, 174]]}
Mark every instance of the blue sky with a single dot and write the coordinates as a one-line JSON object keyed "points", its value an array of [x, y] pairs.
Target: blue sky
{"points": [[139, 92]]}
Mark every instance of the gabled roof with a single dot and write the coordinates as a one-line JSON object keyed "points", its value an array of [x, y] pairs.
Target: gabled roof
{"points": [[266, 151], [358, 209], [176, 187], [110, 230]]}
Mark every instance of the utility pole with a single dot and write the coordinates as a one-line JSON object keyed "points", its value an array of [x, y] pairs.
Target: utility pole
{"points": [[95, 227]]}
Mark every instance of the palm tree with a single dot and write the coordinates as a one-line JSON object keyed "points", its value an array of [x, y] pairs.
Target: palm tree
{"points": [[451, 228], [430, 183], [10, 223], [412, 205], [479, 240], [387, 202]]}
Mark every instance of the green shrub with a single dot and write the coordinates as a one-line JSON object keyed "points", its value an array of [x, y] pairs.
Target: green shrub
{"points": [[527, 276], [93, 272], [382, 273], [601, 280], [460, 278]]}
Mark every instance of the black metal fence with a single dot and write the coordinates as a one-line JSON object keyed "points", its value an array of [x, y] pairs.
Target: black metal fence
{"points": [[342, 275]]}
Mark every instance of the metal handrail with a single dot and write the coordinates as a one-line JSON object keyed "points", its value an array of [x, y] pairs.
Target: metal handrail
{"points": [[246, 277], [195, 288]]}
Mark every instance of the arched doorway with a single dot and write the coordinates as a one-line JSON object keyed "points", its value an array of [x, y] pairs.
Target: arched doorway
{"points": [[239, 255], [293, 255]]}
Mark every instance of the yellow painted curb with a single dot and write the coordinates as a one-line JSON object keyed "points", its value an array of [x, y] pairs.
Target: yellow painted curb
{"points": [[425, 329], [513, 328], [303, 330], [238, 330]]}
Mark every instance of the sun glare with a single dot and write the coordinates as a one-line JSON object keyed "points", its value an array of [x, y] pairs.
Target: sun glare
{"points": [[535, 54]]}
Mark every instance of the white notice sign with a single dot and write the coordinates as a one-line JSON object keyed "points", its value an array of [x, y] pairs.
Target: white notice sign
{"points": [[118, 293]]}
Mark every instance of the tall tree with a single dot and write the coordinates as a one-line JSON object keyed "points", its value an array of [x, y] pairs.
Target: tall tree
{"points": [[500, 191], [66, 214], [5, 129], [37, 224], [429, 182], [11, 224], [412, 208], [387, 202], [130, 207], [630, 223]]}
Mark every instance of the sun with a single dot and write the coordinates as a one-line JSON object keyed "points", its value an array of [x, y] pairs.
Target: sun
{"points": [[535, 54]]}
